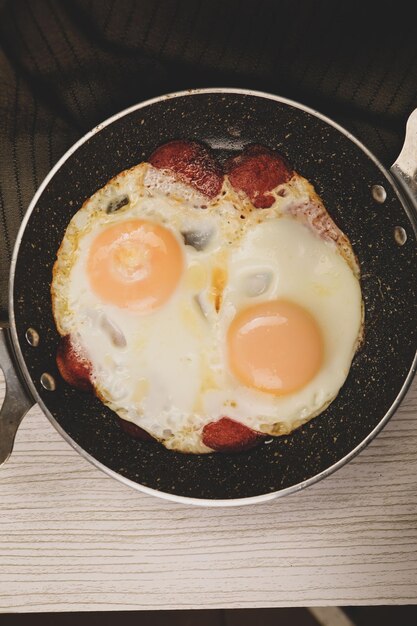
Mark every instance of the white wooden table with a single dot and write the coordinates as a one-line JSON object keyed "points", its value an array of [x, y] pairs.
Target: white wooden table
{"points": [[74, 539]]}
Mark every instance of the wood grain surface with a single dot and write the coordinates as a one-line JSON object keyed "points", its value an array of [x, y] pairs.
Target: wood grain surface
{"points": [[74, 539]]}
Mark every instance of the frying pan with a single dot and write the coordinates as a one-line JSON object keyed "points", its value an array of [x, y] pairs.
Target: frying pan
{"points": [[375, 207]]}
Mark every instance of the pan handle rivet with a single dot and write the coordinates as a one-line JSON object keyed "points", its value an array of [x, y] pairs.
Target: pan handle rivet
{"points": [[48, 382], [379, 194], [400, 235], [32, 337]]}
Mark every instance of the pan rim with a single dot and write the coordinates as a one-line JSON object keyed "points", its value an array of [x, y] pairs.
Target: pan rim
{"points": [[25, 372]]}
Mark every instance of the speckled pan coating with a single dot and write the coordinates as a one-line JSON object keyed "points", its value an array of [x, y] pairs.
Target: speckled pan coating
{"points": [[343, 174]]}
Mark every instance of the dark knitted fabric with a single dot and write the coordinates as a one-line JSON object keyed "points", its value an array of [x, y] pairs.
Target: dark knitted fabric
{"points": [[67, 65]]}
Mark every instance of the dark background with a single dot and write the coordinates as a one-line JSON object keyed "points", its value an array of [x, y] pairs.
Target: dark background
{"points": [[360, 616], [67, 65]]}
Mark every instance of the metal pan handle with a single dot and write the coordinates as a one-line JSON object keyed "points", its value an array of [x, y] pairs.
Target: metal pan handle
{"points": [[405, 167], [17, 401]]}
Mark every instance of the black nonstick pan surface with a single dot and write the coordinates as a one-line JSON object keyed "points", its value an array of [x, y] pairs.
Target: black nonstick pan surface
{"points": [[345, 175]]}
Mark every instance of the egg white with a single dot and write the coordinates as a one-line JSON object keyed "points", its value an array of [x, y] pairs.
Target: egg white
{"points": [[167, 371]]}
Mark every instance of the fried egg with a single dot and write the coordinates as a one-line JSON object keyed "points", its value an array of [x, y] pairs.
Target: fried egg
{"points": [[190, 310]]}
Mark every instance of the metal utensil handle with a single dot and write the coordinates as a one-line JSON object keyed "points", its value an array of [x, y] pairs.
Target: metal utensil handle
{"points": [[17, 400], [405, 167]]}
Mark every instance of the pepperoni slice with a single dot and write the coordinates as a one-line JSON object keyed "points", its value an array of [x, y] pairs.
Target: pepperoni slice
{"points": [[136, 432], [192, 163], [74, 368], [227, 435], [257, 170]]}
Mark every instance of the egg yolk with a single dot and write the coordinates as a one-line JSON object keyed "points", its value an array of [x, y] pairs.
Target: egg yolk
{"points": [[275, 346], [135, 264]]}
